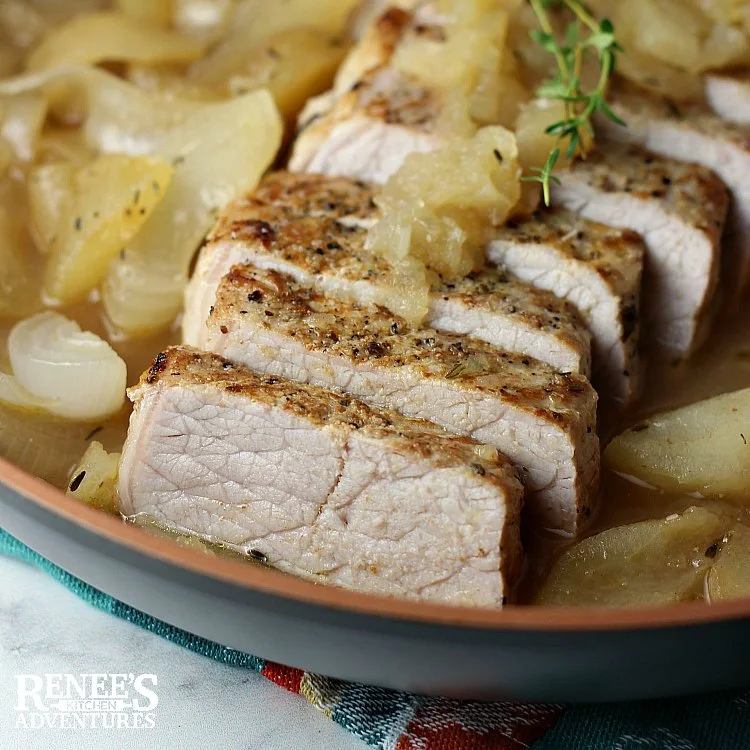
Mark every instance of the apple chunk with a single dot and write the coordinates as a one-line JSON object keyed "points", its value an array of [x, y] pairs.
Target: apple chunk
{"points": [[698, 448]]}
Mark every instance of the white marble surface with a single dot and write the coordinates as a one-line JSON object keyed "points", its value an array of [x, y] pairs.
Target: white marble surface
{"points": [[46, 629]]}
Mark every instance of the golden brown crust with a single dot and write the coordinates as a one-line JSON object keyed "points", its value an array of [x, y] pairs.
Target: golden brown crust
{"points": [[390, 27], [369, 86], [306, 220], [185, 367], [388, 95], [608, 264], [396, 99], [375, 336], [310, 221], [283, 197], [691, 192], [495, 289], [741, 74], [383, 95], [615, 254]]}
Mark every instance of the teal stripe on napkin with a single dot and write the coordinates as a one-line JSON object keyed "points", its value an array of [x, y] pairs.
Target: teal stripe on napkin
{"points": [[389, 720]]}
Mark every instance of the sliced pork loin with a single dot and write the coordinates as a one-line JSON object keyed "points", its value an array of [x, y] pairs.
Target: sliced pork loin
{"points": [[680, 209], [320, 485], [497, 307], [311, 227], [378, 30], [728, 95], [596, 268], [544, 421], [370, 131], [692, 133], [376, 115]]}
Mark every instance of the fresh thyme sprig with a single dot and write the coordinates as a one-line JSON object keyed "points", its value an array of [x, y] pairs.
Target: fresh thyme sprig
{"points": [[584, 34]]}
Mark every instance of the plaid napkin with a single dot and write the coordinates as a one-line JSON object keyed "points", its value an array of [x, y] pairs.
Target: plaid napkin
{"points": [[397, 721]]}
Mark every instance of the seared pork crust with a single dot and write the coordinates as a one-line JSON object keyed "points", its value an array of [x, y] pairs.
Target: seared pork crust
{"points": [[313, 228], [375, 116], [596, 268], [543, 420], [185, 366], [680, 209]]}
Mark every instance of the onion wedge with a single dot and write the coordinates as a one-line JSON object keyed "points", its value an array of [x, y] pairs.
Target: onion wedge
{"points": [[22, 122], [119, 117], [219, 153], [109, 36], [256, 20], [14, 394], [68, 372]]}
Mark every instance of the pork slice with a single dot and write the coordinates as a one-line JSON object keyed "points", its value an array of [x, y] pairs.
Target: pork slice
{"points": [[381, 29], [320, 485], [497, 307], [596, 268], [375, 116], [692, 133], [312, 228], [680, 210], [728, 95], [544, 421], [369, 132], [378, 27]]}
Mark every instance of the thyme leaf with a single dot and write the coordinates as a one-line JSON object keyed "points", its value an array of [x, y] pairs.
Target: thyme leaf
{"points": [[584, 36]]}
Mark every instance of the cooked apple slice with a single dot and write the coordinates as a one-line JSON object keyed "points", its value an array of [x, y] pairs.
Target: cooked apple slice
{"points": [[111, 200], [729, 578], [698, 448], [647, 563], [219, 153], [294, 65], [94, 480]]}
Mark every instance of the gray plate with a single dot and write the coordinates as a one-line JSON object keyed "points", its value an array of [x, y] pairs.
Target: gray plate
{"points": [[528, 654]]}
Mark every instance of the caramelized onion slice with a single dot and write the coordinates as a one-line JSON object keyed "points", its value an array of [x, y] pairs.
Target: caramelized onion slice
{"points": [[256, 20], [22, 122], [119, 117], [63, 145], [218, 154], [109, 36], [158, 12], [294, 66], [19, 287], [203, 19]]}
